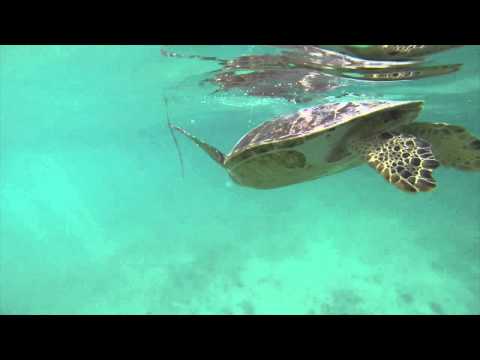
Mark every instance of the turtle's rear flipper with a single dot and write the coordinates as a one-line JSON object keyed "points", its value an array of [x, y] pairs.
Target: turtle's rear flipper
{"points": [[214, 153], [452, 145], [404, 160]]}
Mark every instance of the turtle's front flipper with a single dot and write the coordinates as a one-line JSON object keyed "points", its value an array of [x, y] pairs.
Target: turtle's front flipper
{"points": [[214, 153], [404, 160], [452, 145]]}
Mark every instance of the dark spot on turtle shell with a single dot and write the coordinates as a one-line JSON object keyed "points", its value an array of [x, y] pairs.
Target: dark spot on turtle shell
{"points": [[329, 118], [430, 164], [422, 151], [410, 143], [399, 168], [246, 139], [405, 155], [475, 144], [415, 161]]}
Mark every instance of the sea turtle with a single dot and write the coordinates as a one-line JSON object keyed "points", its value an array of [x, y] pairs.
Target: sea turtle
{"points": [[325, 139]]}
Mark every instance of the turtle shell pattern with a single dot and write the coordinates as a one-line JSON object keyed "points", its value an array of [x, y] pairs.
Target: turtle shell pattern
{"points": [[305, 145]]}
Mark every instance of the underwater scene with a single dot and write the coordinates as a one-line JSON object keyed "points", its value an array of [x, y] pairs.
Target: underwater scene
{"points": [[208, 179]]}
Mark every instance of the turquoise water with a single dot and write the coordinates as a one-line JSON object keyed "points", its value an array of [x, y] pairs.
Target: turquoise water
{"points": [[95, 217]]}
